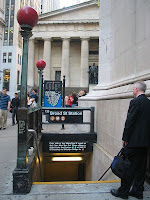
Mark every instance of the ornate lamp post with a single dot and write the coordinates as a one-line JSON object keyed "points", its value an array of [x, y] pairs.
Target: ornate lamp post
{"points": [[40, 64], [27, 18]]}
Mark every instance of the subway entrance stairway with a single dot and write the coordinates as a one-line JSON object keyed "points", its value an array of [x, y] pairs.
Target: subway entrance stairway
{"points": [[48, 190]]}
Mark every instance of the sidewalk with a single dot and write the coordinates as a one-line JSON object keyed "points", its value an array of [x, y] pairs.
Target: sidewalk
{"points": [[8, 156]]}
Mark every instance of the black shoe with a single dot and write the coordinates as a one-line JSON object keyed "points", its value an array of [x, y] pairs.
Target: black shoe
{"points": [[116, 193], [136, 195], [0, 128], [4, 128]]}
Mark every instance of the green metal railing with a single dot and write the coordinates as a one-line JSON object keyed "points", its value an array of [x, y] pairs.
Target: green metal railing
{"points": [[29, 123]]}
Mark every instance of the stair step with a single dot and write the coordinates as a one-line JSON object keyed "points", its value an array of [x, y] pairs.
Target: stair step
{"points": [[73, 188], [75, 182], [78, 190]]}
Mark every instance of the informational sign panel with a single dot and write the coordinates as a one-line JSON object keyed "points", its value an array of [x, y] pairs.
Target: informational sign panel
{"points": [[68, 142], [52, 93], [67, 146], [65, 116]]}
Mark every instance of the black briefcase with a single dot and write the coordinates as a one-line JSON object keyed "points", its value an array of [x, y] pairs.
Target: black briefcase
{"points": [[120, 164]]}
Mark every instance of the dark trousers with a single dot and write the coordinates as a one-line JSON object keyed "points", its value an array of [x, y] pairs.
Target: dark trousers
{"points": [[135, 176], [14, 113]]}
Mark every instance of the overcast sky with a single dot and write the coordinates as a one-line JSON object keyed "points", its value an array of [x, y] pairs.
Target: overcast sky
{"points": [[65, 3]]}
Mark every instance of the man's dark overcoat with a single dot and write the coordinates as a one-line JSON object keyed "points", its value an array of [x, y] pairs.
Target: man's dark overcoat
{"points": [[137, 125]]}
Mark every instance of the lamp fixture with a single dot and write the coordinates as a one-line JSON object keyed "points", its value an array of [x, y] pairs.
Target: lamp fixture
{"points": [[67, 158]]}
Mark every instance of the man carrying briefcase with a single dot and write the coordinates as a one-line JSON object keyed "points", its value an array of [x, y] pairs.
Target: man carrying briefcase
{"points": [[136, 139]]}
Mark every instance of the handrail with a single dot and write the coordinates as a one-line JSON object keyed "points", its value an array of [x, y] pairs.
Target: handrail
{"points": [[27, 119], [91, 109]]}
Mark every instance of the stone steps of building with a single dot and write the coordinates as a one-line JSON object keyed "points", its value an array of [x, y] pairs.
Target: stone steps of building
{"points": [[86, 190]]}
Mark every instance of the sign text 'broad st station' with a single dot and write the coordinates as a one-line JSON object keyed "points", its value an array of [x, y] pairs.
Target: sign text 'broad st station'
{"points": [[65, 116]]}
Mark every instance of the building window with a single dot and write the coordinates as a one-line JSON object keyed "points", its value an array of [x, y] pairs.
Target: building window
{"points": [[11, 36], [93, 52], [18, 77], [5, 36], [18, 58], [9, 57], [6, 80], [9, 19], [4, 57]]}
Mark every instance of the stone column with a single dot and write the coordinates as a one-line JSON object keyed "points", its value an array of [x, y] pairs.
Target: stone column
{"points": [[47, 58], [84, 62], [105, 46], [65, 61], [31, 63], [0, 45]]}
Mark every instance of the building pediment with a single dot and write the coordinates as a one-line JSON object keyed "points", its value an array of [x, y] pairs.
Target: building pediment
{"points": [[85, 12]]}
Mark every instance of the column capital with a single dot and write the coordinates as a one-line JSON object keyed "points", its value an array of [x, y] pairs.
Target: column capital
{"points": [[85, 38], [47, 39], [32, 38], [66, 38]]}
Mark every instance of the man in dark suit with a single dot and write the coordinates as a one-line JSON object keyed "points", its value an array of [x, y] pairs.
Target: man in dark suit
{"points": [[15, 104], [136, 139]]}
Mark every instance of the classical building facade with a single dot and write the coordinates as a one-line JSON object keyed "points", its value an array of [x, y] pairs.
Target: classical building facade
{"points": [[11, 51], [124, 46], [67, 39]]}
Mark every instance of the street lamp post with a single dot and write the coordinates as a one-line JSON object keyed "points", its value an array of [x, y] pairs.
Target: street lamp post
{"points": [[40, 64], [27, 18]]}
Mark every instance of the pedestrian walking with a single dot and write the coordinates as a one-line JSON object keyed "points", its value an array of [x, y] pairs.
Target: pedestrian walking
{"points": [[136, 139], [4, 107], [33, 98], [70, 100], [75, 99], [14, 105]]}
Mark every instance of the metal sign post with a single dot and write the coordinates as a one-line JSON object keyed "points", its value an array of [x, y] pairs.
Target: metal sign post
{"points": [[63, 126]]}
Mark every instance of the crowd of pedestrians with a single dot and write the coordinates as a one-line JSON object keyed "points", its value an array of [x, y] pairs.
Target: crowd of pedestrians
{"points": [[6, 104], [72, 99]]}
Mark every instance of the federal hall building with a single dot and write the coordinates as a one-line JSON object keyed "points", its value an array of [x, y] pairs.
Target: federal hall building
{"points": [[68, 41]]}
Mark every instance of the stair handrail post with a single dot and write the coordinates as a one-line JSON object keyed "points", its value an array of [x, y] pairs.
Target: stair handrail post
{"points": [[92, 119]]}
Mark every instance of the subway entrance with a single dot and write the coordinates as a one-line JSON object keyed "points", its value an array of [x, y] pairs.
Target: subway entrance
{"points": [[65, 167], [65, 156], [58, 146]]}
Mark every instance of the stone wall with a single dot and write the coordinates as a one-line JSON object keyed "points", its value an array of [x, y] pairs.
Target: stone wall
{"points": [[124, 46]]}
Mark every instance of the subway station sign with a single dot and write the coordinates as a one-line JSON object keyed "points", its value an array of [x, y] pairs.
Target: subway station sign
{"points": [[52, 93], [65, 116]]}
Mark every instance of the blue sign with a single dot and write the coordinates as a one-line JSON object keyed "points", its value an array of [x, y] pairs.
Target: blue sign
{"points": [[52, 93]]}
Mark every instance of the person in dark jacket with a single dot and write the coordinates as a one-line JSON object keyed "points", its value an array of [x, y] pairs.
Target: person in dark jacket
{"points": [[136, 139], [14, 106]]}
